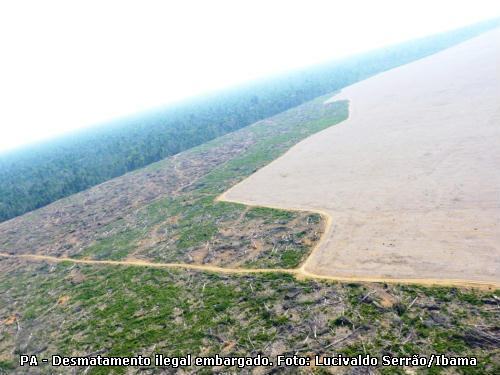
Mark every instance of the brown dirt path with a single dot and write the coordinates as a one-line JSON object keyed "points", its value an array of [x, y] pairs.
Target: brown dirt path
{"points": [[300, 273]]}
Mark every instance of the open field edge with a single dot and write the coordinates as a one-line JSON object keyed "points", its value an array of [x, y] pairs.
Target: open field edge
{"points": [[300, 273]]}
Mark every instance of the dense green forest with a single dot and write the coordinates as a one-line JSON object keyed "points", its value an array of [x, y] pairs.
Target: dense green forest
{"points": [[37, 175]]}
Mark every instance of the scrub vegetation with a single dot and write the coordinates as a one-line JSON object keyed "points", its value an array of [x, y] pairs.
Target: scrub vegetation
{"points": [[123, 311]]}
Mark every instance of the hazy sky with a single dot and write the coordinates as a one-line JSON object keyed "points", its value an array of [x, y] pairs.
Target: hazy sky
{"points": [[67, 64]]}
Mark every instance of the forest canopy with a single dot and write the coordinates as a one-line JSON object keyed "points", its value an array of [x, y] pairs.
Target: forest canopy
{"points": [[36, 175]]}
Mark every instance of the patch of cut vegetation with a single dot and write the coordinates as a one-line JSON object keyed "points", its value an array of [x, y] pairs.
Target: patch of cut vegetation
{"points": [[194, 227], [168, 212], [122, 311]]}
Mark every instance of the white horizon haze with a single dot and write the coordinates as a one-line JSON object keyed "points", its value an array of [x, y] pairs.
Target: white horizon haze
{"points": [[67, 65]]}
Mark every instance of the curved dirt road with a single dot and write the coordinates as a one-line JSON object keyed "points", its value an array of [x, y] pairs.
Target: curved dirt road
{"points": [[300, 273]]}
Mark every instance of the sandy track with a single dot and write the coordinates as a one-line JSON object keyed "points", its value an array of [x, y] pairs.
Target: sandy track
{"points": [[141, 263], [300, 273], [411, 180]]}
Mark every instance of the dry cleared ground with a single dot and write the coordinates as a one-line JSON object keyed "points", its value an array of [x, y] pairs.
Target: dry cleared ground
{"points": [[411, 179]]}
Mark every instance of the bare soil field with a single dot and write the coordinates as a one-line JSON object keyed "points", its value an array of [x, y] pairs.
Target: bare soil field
{"points": [[411, 181]]}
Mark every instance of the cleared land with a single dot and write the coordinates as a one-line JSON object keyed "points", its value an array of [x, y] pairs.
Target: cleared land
{"points": [[410, 180], [151, 263], [79, 309], [167, 212]]}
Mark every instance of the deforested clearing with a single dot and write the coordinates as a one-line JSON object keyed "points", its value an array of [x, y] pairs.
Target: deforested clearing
{"points": [[410, 180]]}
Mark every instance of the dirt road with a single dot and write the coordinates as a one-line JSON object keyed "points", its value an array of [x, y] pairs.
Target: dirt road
{"points": [[300, 273]]}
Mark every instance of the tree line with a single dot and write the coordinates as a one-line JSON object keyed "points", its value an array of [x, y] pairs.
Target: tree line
{"points": [[34, 176]]}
